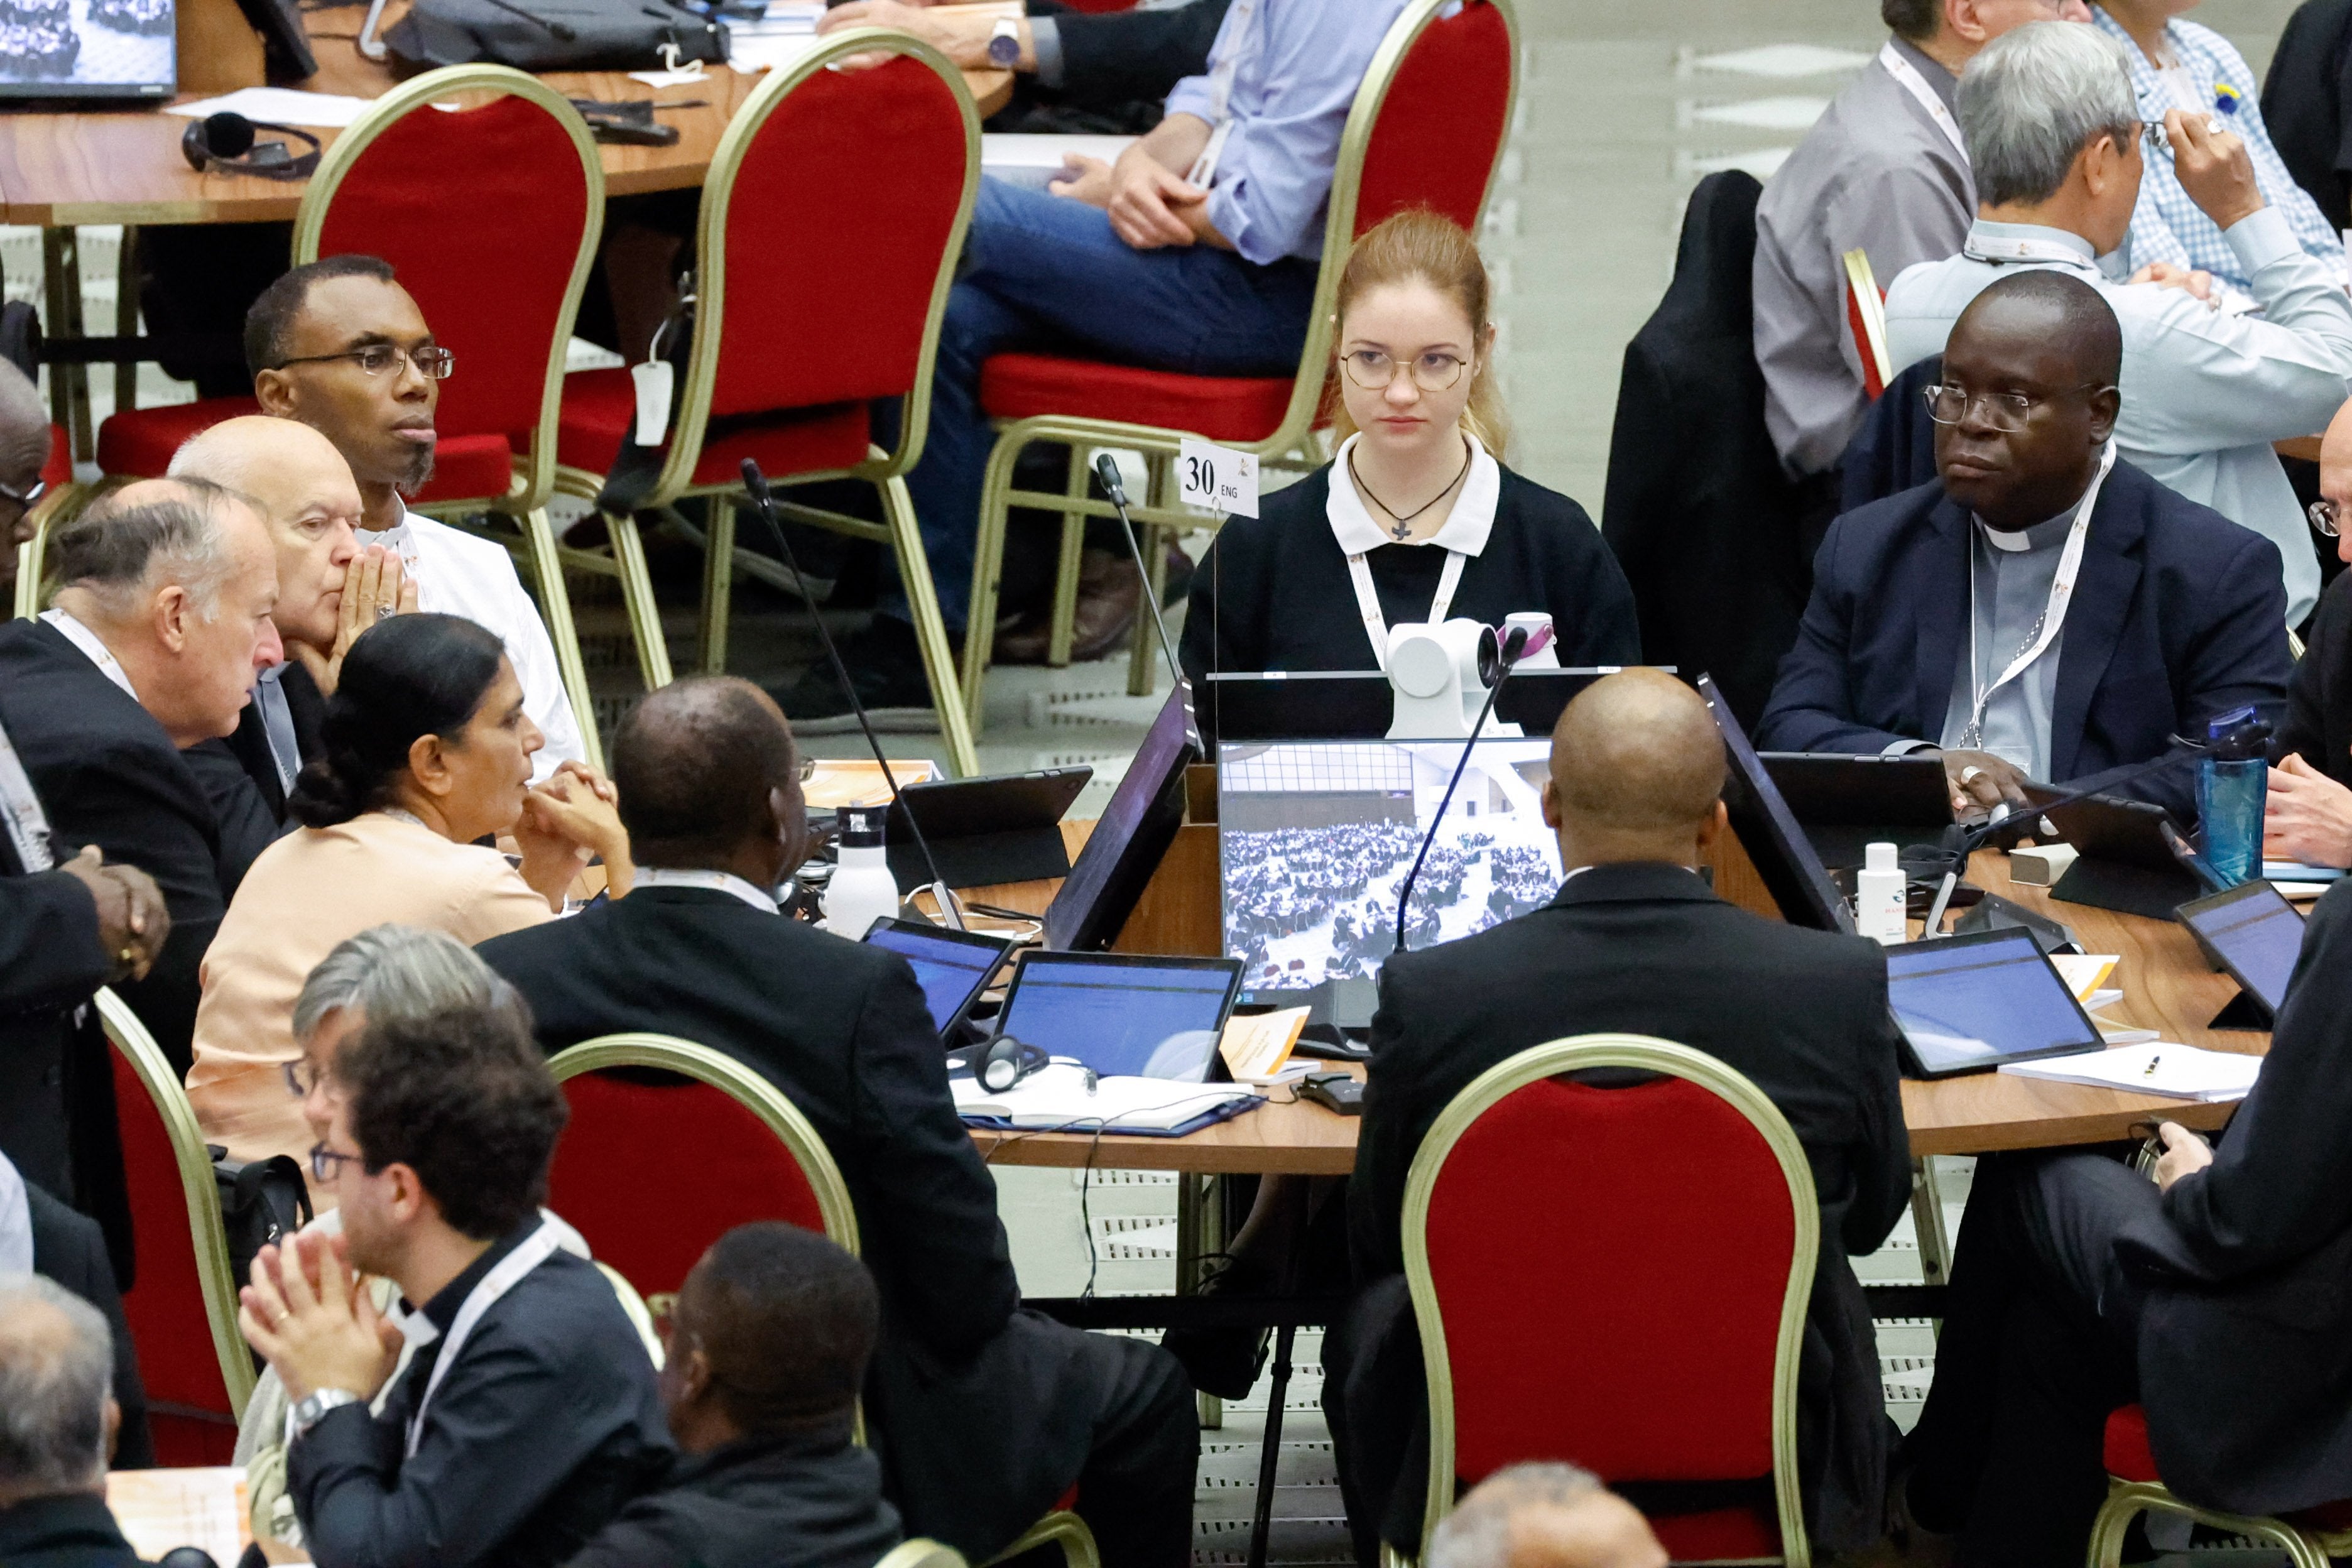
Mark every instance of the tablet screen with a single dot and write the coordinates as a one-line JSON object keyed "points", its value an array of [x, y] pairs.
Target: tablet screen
{"points": [[2258, 935], [950, 972], [1974, 1002], [1143, 1019]]}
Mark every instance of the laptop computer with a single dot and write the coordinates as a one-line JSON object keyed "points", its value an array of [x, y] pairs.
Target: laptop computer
{"points": [[1846, 803], [1783, 854], [1967, 1003], [1123, 1015], [1129, 840], [953, 967], [2255, 935]]}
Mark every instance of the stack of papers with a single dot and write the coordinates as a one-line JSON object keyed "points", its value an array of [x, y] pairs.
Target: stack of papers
{"points": [[1058, 1097], [279, 106], [2175, 1071], [1256, 1046]]}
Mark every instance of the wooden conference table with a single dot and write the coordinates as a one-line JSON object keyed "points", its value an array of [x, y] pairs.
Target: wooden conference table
{"points": [[2165, 983]]}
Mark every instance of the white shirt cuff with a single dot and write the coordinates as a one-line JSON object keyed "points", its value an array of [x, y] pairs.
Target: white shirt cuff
{"points": [[2259, 238]]}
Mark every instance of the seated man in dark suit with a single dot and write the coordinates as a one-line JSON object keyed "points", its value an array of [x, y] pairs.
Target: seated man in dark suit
{"points": [[54, 1358], [304, 490], [2308, 811], [767, 1348], [1635, 943], [150, 650], [983, 1414], [1941, 619], [2213, 1295]]}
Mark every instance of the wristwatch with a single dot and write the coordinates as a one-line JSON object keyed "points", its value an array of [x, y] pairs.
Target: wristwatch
{"points": [[307, 1414], [1004, 44]]}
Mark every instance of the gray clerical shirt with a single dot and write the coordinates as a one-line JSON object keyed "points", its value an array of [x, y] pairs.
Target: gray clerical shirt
{"points": [[1875, 173], [2013, 573]]}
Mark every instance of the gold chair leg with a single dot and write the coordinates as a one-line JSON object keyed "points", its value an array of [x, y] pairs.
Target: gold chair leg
{"points": [[718, 583], [555, 609], [638, 593], [931, 629], [1064, 631], [987, 571]]}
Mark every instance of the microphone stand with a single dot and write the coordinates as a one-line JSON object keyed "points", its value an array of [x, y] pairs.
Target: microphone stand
{"points": [[1513, 650], [756, 484]]}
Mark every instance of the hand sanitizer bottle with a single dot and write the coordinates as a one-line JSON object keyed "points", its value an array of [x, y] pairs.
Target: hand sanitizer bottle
{"points": [[862, 890], [1878, 898]]}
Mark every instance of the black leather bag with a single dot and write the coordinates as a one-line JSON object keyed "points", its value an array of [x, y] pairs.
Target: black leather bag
{"points": [[262, 1202], [551, 34]]}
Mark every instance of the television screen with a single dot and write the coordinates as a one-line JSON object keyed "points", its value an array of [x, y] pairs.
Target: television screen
{"points": [[87, 48]]}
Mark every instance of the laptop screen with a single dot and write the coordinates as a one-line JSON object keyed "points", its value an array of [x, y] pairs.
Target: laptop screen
{"points": [[1973, 1002], [98, 50], [1156, 1017], [950, 968], [2258, 934]]}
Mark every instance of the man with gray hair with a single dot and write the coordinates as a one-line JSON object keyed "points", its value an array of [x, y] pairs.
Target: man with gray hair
{"points": [[1544, 1514], [2054, 136], [57, 1422], [151, 648]]}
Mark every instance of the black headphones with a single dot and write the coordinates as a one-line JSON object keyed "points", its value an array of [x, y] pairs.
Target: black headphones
{"points": [[226, 142], [1000, 1061]]}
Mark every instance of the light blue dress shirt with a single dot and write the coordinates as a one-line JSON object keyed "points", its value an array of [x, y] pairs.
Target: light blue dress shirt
{"points": [[2166, 225], [1297, 64], [2204, 393]]}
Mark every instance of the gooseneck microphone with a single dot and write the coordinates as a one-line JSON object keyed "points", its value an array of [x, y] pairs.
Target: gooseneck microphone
{"points": [[1513, 648], [1106, 471], [756, 484]]}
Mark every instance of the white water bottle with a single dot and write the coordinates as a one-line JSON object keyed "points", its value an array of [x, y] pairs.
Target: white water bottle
{"points": [[1878, 898], [862, 890]]}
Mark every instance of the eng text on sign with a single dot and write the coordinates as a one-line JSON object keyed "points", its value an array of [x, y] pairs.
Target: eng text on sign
{"points": [[1217, 477]]}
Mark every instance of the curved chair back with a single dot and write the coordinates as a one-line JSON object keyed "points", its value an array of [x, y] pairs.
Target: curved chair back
{"points": [[818, 284], [653, 1171], [1642, 1315], [197, 1382], [491, 215], [56, 473], [921, 1552]]}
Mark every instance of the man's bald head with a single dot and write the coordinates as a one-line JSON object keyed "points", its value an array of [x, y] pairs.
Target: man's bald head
{"points": [[2335, 474], [305, 492], [1545, 1515], [696, 764], [2056, 311], [1636, 767]]}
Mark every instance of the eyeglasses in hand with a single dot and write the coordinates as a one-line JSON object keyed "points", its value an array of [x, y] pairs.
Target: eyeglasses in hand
{"points": [[432, 363]]}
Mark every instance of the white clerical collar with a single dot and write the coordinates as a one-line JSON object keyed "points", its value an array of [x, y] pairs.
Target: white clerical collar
{"points": [[2047, 534], [92, 643], [2016, 242], [710, 882], [1466, 526]]}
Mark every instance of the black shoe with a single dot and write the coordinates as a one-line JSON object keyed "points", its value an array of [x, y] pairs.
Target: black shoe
{"points": [[1225, 1362], [887, 665]]}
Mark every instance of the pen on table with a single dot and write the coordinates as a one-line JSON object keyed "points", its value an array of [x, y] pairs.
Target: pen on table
{"points": [[2149, 1071]]}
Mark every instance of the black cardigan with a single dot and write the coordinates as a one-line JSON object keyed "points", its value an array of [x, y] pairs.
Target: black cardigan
{"points": [[1275, 590], [2319, 694]]}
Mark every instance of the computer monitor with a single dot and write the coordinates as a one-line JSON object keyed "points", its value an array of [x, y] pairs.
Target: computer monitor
{"points": [[2256, 935], [1358, 704], [1131, 837], [1317, 836], [1783, 855], [1967, 1003], [1127, 1015], [951, 966], [77, 50]]}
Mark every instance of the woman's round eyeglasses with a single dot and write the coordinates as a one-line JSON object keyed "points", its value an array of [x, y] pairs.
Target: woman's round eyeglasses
{"points": [[1376, 371]]}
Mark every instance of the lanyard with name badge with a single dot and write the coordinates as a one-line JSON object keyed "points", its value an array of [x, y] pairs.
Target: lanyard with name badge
{"points": [[1368, 600], [1908, 78], [536, 1249], [2053, 615], [28, 825]]}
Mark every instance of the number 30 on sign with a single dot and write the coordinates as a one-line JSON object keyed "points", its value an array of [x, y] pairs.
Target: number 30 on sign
{"points": [[1217, 477]]}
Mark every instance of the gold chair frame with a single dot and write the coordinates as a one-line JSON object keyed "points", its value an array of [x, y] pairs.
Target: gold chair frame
{"points": [[1061, 1528], [206, 1232], [32, 554], [1863, 284], [1643, 1053], [922, 1552], [885, 470], [525, 502], [2128, 1499], [1291, 445]]}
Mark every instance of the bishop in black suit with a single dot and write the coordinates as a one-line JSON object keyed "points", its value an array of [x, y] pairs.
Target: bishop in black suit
{"points": [[1637, 943], [983, 1414]]}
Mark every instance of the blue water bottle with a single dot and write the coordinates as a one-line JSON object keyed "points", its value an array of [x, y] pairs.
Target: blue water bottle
{"points": [[2232, 779]]}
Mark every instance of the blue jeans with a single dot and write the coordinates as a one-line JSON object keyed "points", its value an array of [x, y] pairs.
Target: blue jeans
{"points": [[1043, 273]]}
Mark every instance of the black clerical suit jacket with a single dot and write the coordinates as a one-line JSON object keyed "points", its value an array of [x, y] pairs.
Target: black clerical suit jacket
{"points": [[1645, 949], [2318, 727], [547, 1423], [69, 1529], [813, 1502], [110, 776], [2178, 616], [2245, 1338], [967, 1398]]}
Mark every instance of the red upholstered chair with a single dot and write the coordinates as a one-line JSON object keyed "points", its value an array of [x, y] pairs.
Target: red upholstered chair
{"points": [[1617, 1278], [490, 215], [2310, 1540], [1426, 131], [182, 1306], [819, 290], [1865, 318]]}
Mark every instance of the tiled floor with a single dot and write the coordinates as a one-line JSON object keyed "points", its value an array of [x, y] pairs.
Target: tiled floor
{"points": [[1622, 108]]}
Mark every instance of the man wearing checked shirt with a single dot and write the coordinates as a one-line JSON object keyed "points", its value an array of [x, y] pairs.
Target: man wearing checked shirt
{"points": [[1196, 252]]}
